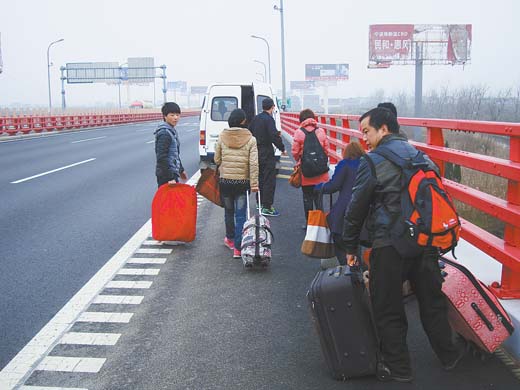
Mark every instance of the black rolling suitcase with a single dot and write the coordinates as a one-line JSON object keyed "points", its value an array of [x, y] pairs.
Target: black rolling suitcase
{"points": [[340, 310]]}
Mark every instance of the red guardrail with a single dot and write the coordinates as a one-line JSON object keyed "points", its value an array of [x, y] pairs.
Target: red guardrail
{"points": [[13, 125], [507, 250]]}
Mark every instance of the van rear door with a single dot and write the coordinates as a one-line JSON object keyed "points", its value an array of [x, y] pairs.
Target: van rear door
{"points": [[262, 91], [220, 101]]}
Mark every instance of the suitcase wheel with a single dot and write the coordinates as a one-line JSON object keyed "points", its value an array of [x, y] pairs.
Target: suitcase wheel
{"points": [[478, 352]]}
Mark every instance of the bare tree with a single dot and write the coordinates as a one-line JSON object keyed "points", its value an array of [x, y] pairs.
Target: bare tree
{"points": [[496, 105]]}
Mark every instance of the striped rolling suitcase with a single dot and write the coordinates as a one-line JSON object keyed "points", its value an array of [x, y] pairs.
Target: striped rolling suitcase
{"points": [[257, 238], [473, 310], [340, 310]]}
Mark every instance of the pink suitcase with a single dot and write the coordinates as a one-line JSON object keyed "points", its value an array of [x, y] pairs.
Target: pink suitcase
{"points": [[473, 310]]}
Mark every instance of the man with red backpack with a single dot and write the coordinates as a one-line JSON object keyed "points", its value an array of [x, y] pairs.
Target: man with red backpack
{"points": [[380, 196]]}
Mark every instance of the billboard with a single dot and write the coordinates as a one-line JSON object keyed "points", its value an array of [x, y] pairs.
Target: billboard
{"points": [[92, 72], [430, 43], [1, 61], [141, 70], [198, 90], [326, 72], [302, 85], [178, 85]]}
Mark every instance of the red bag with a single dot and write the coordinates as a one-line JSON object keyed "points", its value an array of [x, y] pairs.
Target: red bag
{"points": [[208, 186], [174, 213]]}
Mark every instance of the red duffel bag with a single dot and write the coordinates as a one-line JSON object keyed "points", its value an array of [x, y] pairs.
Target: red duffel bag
{"points": [[174, 213]]}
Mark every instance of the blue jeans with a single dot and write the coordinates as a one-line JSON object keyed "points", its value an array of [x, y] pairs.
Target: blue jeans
{"points": [[235, 204]]}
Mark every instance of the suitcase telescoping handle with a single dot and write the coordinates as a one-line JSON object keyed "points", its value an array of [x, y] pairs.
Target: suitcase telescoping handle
{"points": [[259, 204]]}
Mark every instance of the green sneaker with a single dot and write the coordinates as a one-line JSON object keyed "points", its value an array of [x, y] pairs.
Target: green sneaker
{"points": [[270, 212]]}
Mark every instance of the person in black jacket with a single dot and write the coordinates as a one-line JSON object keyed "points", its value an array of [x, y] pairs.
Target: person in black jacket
{"points": [[264, 130], [168, 168], [376, 197]]}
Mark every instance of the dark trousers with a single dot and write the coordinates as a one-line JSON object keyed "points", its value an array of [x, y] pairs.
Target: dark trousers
{"points": [[387, 273], [310, 200], [267, 180]]}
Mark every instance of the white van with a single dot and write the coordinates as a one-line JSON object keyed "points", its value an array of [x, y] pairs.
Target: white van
{"points": [[219, 101]]}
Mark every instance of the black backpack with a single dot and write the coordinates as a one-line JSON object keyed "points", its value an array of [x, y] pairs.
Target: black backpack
{"points": [[314, 159]]}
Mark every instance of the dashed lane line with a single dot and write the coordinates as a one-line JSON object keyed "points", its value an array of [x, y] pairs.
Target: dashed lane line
{"points": [[34, 355], [119, 299], [139, 271], [151, 242], [139, 284], [23, 364], [84, 338], [87, 139], [146, 260], [71, 364], [159, 251], [52, 171], [98, 316], [50, 388]]}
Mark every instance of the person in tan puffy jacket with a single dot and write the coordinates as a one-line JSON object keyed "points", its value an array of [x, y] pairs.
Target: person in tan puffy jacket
{"points": [[236, 156]]}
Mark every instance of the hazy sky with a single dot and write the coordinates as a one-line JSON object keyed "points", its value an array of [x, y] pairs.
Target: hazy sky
{"points": [[203, 41]]}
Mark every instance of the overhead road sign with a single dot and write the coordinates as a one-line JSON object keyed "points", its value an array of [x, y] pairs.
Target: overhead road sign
{"points": [[177, 85], [326, 72], [92, 72], [405, 44], [302, 85], [141, 70], [1, 61], [198, 90]]}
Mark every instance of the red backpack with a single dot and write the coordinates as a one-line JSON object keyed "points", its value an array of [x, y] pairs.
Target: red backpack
{"points": [[428, 216]]}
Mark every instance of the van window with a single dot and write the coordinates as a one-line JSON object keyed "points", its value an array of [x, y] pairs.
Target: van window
{"points": [[222, 106], [259, 100]]}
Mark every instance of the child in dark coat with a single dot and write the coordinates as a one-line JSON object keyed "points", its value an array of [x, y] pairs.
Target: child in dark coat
{"points": [[342, 180]]}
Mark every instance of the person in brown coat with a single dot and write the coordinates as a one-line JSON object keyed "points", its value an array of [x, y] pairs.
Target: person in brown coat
{"points": [[236, 156]]}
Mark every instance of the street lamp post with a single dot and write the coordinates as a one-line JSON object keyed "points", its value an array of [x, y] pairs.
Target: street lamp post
{"points": [[265, 71], [268, 53], [280, 8], [49, 72]]}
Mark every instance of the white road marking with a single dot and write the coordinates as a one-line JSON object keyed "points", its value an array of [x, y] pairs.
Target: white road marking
{"points": [[54, 170], [162, 251], [85, 338], [71, 364], [50, 388], [152, 242], [146, 260], [151, 142], [139, 271], [22, 365], [119, 299], [128, 284], [88, 139], [99, 316]]}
